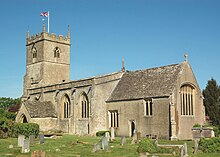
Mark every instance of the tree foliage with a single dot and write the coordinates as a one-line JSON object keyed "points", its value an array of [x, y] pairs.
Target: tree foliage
{"points": [[212, 101], [6, 102]]}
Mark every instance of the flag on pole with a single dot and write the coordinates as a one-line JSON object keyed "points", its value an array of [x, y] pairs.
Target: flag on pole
{"points": [[45, 14]]}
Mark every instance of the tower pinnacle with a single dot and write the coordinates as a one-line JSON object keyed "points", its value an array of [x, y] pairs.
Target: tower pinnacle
{"points": [[68, 33]]}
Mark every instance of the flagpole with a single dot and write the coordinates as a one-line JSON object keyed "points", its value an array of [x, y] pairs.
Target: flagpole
{"points": [[48, 22]]}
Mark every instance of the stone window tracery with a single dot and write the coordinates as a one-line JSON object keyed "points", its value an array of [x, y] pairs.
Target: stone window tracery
{"points": [[34, 52], [113, 118], [85, 106], [187, 100], [57, 52], [65, 107]]}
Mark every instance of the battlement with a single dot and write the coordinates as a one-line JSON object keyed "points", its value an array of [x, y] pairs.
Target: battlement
{"points": [[48, 36]]}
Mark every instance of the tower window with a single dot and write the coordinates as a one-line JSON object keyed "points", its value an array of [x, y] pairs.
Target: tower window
{"points": [[57, 52], [148, 108], [34, 52], [187, 100]]}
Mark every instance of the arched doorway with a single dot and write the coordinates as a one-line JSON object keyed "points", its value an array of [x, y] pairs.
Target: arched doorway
{"points": [[23, 119], [132, 128]]}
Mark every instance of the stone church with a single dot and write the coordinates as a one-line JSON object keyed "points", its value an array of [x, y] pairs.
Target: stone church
{"points": [[164, 101]]}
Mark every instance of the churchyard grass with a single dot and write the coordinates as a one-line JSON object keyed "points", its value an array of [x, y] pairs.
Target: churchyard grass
{"points": [[71, 146]]}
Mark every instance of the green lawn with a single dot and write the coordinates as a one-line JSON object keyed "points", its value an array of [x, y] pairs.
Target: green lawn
{"points": [[69, 147]]}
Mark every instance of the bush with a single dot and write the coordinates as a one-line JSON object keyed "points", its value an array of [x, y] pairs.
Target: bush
{"points": [[147, 145], [25, 129], [211, 145], [102, 133]]}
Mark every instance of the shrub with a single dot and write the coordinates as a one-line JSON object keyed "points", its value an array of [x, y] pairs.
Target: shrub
{"points": [[147, 145], [102, 133], [25, 129], [210, 145]]}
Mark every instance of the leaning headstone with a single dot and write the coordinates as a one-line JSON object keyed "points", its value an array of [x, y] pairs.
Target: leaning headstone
{"points": [[105, 145], [185, 150], [26, 146], [32, 139], [96, 148], [196, 146], [107, 135], [181, 151], [138, 136], [20, 140], [41, 136], [123, 140], [112, 133], [38, 153], [134, 138]]}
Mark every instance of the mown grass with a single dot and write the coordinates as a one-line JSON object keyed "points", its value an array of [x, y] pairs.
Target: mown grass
{"points": [[70, 146]]}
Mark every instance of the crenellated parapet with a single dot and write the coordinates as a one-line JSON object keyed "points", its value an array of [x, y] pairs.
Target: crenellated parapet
{"points": [[48, 36]]}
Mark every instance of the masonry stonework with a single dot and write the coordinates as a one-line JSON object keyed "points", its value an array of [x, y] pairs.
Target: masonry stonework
{"points": [[147, 101]]}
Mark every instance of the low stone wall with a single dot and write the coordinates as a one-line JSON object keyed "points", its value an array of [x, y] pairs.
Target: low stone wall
{"points": [[46, 124]]}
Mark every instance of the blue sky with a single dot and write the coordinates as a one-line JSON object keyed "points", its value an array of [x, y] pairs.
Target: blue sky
{"points": [[146, 33]]}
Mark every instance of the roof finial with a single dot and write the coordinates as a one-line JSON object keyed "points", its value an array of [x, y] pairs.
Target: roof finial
{"points": [[68, 33], [186, 57], [123, 65], [28, 34], [44, 27]]}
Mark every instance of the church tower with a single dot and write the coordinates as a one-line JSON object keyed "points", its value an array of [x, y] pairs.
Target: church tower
{"points": [[47, 60]]}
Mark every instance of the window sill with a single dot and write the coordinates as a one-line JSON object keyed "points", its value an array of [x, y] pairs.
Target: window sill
{"points": [[188, 116], [148, 116]]}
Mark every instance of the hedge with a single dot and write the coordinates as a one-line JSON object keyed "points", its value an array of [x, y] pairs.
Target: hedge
{"points": [[25, 129]]}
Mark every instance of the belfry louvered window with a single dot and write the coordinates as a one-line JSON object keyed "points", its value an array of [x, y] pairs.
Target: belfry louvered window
{"points": [[187, 100]]}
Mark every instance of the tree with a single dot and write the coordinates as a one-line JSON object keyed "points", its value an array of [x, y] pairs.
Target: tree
{"points": [[212, 101]]}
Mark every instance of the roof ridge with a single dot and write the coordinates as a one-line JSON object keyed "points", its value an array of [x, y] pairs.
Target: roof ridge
{"points": [[155, 67]]}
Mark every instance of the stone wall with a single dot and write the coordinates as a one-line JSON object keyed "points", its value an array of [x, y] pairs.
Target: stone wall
{"points": [[133, 111]]}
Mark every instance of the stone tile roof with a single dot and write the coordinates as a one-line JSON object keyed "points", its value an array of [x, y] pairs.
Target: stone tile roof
{"points": [[154, 82], [38, 109]]}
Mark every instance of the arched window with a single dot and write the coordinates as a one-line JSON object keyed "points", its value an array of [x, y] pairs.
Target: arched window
{"points": [[34, 52], [57, 52], [65, 107], [187, 96], [85, 106]]}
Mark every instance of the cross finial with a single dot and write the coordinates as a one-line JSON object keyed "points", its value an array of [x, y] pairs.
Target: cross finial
{"points": [[123, 65], [186, 57]]}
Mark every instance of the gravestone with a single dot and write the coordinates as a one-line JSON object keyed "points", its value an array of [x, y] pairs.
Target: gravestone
{"points": [[41, 136], [134, 138], [185, 150], [26, 146], [107, 135], [10, 146], [182, 151], [138, 137], [196, 146], [123, 140], [38, 153], [32, 139], [96, 148], [105, 145], [112, 133], [20, 140]]}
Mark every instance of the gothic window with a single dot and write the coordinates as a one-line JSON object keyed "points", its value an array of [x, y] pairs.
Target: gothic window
{"points": [[85, 106], [148, 108], [113, 118], [65, 107], [187, 100], [57, 52], [34, 52]]}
